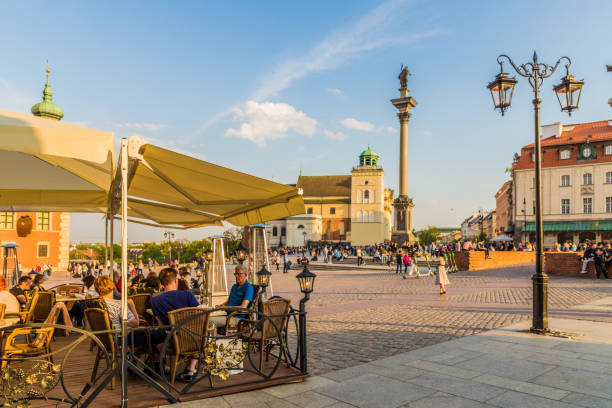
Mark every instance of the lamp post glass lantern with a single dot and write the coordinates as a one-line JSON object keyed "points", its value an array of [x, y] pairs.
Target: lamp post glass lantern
{"points": [[306, 280], [568, 93], [502, 89], [263, 277]]}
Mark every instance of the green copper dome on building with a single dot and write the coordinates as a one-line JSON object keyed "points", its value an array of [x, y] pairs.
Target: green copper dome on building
{"points": [[46, 108], [368, 158]]}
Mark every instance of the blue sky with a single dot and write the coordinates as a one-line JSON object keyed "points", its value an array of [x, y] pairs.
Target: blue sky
{"points": [[269, 87]]}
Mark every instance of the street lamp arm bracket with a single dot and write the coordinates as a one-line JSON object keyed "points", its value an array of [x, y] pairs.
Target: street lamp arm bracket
{"points": [[534, 70]]}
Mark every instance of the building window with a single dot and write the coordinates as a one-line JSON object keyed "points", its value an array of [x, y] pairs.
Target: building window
{"points": [[533, 183], [609, 177], [366, 182], [608, 150], [587, 205], [371, 217], [283, 231], [533, 207], [42, 221], [359, 216], [332, 210], [565, 206], [274, 231], [7, 220], [609, 204], [565, 181], [43, 250], [564, 155], [366, 196], [309, 210], [587, 179]]}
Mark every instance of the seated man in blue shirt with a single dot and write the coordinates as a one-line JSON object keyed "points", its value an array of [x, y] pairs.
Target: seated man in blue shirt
{"points": [[172, 299], [241, 295]]}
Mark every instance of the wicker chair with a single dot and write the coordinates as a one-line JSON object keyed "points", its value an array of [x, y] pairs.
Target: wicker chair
{"points": [[277, 310], [2, 310], [229, 328], [30, 341], [99, 322], [187, 345], [69, 290], [142, 302], [40, 307]]}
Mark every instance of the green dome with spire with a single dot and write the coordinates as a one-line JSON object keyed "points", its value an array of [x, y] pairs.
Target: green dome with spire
{"points": [[368, 158], [46, 108]]}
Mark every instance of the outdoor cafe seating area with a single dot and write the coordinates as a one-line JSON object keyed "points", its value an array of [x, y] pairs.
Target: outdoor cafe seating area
{"points": [[62, 362], [47, 361]]}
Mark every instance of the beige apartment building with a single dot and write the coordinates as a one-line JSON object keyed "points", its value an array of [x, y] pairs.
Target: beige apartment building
{"points": [[576, 184]]}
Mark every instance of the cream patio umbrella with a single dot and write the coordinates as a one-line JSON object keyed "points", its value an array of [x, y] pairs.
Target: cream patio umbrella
{"points": [[169, 189], [49, 165]]}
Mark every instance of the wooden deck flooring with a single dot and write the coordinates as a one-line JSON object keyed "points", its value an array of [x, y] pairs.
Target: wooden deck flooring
{"points": [[77, 370]]}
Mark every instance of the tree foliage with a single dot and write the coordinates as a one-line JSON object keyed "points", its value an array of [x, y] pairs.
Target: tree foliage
{"points": [[429, 235]]}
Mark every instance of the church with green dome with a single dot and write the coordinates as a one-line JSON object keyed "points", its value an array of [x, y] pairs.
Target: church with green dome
{"points": [[355, 208]]}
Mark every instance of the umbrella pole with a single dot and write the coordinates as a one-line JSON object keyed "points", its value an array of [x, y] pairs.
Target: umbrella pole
{"points": [[106, 245], [124, 285], [112, 246]]}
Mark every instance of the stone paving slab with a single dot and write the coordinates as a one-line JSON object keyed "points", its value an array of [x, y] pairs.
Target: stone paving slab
{"points": [[412, 379]]}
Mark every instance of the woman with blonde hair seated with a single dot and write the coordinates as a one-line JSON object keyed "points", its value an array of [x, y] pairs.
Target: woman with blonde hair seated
{"points": [[104, 285]]}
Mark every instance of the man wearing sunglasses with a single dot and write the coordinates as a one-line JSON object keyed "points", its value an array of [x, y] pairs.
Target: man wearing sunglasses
{"points": [[241, 295]]}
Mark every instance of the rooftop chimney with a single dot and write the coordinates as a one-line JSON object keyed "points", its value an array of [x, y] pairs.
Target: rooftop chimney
{"points": [[553, 129]]}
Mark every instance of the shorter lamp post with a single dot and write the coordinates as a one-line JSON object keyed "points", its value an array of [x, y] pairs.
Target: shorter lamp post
{"points": [[263, 280], [169, 235], [240, 257], [306, 280]]}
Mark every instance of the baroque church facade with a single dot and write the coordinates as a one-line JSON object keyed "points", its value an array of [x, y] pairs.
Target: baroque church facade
{"points": [[353, 208]]}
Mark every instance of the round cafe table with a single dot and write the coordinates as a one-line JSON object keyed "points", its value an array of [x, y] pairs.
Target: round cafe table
{"points": [[8, 321]]}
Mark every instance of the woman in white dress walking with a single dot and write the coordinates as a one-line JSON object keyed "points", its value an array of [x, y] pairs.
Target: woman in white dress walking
{"points": [[441, 278]]}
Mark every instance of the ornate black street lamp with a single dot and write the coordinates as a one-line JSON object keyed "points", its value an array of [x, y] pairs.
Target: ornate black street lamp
{"points": [[306, 280], [263, 278], [169, 235], [568, 93]]}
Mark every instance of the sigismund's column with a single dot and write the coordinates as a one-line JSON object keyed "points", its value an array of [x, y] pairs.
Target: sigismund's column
{"points": [[402, 231]]}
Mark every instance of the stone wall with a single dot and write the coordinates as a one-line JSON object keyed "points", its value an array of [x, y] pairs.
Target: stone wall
{"points": [[476, 260], [568, 264]]}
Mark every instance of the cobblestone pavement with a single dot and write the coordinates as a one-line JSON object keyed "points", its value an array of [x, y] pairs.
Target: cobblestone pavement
{"points": [[359, 316]]}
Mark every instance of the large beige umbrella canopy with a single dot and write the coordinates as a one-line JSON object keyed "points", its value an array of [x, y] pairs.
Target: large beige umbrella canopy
{"points": [[171, 189], [47, 165]]}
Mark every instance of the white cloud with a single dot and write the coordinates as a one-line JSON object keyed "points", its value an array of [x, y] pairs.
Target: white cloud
{"points": [[151, 127], [354, 124], [382, 27], [334, 91], [334, 135], [269, 121], [389, 129]]}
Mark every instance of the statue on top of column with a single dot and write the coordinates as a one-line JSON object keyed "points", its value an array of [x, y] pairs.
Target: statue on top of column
{"points": [[403, 76]]}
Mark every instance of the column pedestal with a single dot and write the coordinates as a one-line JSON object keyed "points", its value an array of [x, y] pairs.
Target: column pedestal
{"points": [[403, 221]]}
